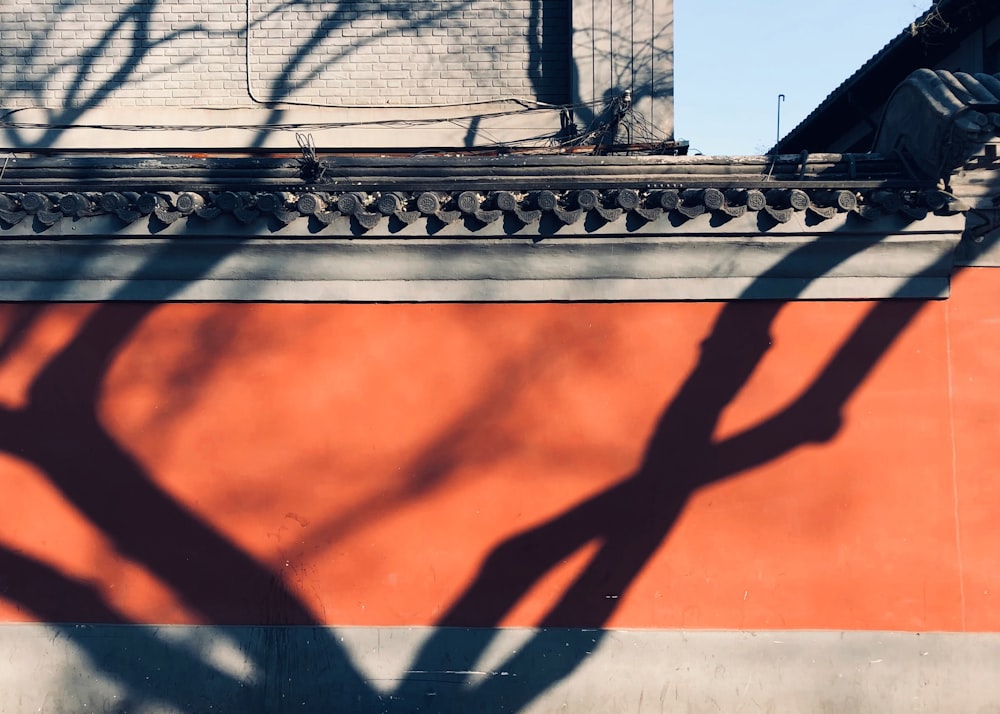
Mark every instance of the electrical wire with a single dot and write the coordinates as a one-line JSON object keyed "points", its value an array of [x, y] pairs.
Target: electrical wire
{"points": [[296, 126], [613, 115]]}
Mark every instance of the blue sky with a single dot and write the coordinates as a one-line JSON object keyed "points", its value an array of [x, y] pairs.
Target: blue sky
{"points": [[732, 58]]}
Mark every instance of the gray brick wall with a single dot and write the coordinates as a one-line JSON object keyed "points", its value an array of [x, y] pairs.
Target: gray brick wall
{"points": [[78, 55], [364, 52]]}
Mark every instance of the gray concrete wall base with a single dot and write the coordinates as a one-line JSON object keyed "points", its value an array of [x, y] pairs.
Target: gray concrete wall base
{"points": [[67, 669]]}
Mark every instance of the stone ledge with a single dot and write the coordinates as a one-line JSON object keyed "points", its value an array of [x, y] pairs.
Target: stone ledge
{"points": [[878, 263]]}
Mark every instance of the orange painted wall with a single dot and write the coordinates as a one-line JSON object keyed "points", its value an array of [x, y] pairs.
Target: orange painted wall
{"points": [[810, 465]]}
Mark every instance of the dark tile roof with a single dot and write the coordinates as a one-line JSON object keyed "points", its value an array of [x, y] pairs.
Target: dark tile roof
{"points": [[923, 43], [339, 195]]}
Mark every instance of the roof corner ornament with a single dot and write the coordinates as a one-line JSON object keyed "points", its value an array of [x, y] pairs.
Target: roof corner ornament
{"points": [[936, 120]]}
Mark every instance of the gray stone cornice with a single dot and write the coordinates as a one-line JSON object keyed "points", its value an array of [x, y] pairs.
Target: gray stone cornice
{"points": [[479, 229], [504, 212]]}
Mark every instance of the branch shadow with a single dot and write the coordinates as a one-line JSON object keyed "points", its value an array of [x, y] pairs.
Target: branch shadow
{"points": [[59, 432], [69, 86], [631, 519]]}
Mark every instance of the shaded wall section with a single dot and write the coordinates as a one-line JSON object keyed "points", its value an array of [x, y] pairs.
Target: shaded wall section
{"points": [[370, 457]]}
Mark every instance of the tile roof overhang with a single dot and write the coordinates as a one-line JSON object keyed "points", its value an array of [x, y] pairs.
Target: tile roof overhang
{"points": [[925, 42], [447, 228]]}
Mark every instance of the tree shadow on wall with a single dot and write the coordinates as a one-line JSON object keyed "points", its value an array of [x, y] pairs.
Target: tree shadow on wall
{"points": [[87, 77], [316, 56], [306, 668], [630, 520], [128, 52], [647, 73]]}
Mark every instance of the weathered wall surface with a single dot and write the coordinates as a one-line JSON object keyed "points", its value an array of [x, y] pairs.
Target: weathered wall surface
{"points": [[235, 54], [481, 69], [146, 53], [363, 53], [621, 45], [590, 469]]}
